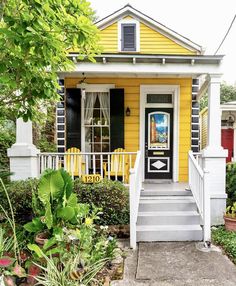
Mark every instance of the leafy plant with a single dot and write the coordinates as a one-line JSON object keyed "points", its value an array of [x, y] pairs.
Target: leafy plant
{"points": [[111, 196], [231, 183], [227, 240], [231, 211]]}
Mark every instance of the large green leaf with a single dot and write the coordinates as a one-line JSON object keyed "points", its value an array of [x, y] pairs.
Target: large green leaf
{"points": [[35, 248], [48, 216], [35, 226], [72, 201], [66, 213], [68, 183], [51, 186]]}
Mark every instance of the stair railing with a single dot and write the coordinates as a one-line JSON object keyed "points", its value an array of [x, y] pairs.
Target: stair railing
{"points": [[198, 179], [135, 186]]}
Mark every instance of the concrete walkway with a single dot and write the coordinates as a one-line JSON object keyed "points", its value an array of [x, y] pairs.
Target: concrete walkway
{"points": [[177, 264]]}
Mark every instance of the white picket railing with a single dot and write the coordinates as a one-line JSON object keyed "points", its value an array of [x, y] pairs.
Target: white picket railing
{"points": [[112, 165], [134, 196], [198, 185]]}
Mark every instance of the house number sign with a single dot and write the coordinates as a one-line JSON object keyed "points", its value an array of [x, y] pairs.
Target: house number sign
{"points": [[90, 179]]}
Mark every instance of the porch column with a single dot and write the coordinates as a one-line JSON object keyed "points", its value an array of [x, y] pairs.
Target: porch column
{"points": [[214, 156], [23, 154]]}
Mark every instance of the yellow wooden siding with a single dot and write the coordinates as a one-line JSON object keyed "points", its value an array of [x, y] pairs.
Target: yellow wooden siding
{"points": [[151, 42], [132, 99], [203, 127]]}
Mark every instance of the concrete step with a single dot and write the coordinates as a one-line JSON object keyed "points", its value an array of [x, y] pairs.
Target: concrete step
{"points": [[167, 204], [165, 193], [169, 233], [168, 218]]}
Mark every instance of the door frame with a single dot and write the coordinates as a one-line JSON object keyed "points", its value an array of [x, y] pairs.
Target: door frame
{"points": [[175, 91]]}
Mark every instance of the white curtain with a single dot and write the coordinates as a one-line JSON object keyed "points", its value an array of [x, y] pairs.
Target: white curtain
{"points": [[104, 103], [89, 104]]}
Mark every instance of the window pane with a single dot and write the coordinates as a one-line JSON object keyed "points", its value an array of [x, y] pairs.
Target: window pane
{"points": [[159, 98], [128, 37]]}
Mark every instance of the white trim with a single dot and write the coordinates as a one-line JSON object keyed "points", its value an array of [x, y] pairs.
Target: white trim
{"points": [[175, 90], [137, 36], [159, 171], [130, 11]]}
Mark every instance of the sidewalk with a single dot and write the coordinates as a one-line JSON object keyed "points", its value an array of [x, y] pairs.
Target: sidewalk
{"points": [[177, 264]]}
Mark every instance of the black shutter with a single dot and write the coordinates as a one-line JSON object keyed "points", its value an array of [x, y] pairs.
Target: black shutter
{"points": [[73, 118], [128, 37], [117, 118]]}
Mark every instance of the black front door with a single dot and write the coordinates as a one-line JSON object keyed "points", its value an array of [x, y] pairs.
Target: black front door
{"points": [[158, 143]]}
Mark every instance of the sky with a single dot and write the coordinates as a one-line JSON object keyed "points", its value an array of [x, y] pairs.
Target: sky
{"points": [[205, 22]]}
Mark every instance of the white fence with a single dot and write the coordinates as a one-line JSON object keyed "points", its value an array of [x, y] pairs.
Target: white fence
{"points": [[198, 186], [134, 196], [112, 165]]}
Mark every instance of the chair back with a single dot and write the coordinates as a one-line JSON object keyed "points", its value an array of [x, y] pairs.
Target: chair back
{"points": [[118, 161], [73, 162]]}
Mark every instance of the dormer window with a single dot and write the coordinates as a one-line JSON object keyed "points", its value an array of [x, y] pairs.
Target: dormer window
{"points": [[128, 35]]}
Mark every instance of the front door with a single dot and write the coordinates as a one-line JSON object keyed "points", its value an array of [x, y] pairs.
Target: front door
{"points": [[158, 143]]}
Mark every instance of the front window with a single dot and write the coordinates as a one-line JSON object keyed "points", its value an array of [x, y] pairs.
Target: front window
{"points": [[97, 122]]}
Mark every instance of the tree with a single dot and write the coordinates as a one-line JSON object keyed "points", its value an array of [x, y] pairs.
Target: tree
{"points": [[35, 37], [227, 93]]}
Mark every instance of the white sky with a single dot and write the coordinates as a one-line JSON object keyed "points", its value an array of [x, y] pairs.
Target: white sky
{"points": [[205, 22]]}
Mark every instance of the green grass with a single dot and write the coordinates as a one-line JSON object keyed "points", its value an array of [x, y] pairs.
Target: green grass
{"points": [[227, 240]]}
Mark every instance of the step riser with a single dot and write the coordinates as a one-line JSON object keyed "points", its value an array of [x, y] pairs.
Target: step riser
{"points": [[158, 206], [168, 220], [184, 235], [165, 193]]}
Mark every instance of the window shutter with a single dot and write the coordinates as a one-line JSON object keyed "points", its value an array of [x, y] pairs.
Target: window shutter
{"points": [[73, 118], [128, 37], [116, 118]]}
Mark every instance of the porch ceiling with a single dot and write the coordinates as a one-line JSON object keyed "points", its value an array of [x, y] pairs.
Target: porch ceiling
{"points": [[135, 65]]}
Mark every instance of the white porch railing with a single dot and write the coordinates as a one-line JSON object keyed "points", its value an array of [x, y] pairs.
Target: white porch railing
{"points": [[198, 186], [112, 165], [134, 196]]}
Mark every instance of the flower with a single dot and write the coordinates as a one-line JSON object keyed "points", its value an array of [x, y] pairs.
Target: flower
{"points": [[88, 221]]}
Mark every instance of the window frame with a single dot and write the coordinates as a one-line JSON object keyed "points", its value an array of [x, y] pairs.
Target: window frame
{"points": [[124, 49], [122, 23]]}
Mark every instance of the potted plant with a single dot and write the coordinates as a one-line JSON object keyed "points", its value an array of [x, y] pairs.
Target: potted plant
{"points": [[230, 217]]}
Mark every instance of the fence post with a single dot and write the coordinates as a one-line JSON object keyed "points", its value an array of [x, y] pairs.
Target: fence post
{"points": [[206, 208], [132, 209]]}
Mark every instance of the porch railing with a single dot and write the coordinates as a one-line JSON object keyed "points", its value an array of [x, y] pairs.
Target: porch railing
{"points": [[134, 196], [198, 185], [112, 165]]}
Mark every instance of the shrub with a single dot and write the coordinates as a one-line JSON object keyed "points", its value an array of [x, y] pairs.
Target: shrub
{"points": [[111, 196], [227, 240], [20, 193], [231, 183]]}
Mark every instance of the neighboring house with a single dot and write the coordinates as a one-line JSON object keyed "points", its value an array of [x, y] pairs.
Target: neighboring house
{"points": [[228, 129], [141, 95]]}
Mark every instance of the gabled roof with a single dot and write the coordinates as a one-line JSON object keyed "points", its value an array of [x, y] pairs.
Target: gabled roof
{"points": [[128, 10]]}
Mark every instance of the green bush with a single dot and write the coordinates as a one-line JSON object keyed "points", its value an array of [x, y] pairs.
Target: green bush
{"points": [[227, 240], [20, 193], [111, 196], [231, 183]]}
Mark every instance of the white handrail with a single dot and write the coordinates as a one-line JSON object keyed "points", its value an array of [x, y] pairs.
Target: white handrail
{"points": [[134, 195], [198, 180]]}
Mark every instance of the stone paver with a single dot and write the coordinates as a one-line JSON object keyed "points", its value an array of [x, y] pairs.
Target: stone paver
{"points": [[176, 264]]}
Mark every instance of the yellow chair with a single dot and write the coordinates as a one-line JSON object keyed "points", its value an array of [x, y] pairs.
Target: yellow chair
{"points": [[74, 163], [119, 166]]}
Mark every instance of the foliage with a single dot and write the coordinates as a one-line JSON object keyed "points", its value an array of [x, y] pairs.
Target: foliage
{"points": [[35, 37], [111, 196], [231, 183], [227, 93], [7, 138], [227, 240], [231, 211], [20, 193]]}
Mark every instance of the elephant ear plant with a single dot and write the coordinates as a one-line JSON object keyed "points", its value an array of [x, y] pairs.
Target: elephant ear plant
{"points": [[55, 206]]}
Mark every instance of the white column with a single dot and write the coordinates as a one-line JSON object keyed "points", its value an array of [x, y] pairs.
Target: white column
{"points": [[234, 157], [214, 156], [23, 154]]}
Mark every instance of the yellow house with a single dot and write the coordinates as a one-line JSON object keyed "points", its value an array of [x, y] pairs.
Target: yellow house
{"points": [[141, 97]]}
